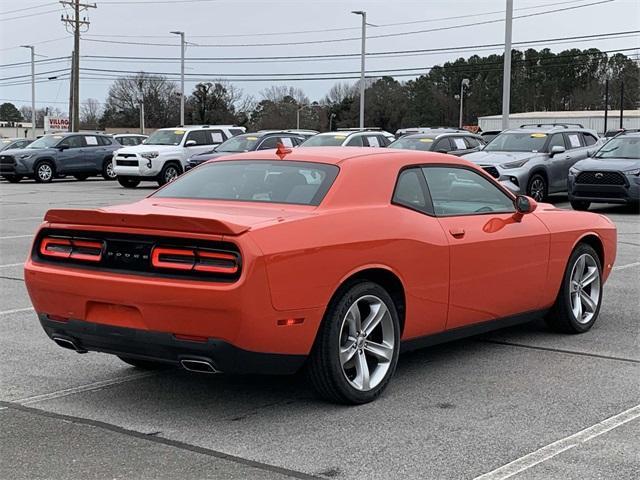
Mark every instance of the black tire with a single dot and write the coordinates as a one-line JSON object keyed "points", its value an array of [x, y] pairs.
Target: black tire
{"points": [[128, 182], [324, 368], [580, 205], [143, 364], [537, 187], [13, 178], [44, 172], [81, 178], [561, 317], [107, 169], [169, 173]]}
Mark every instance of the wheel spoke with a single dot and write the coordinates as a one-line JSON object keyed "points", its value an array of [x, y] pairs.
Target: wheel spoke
{"points": [[579, 269], [588, 302], [362, 372], [590, 276], [377, 313], [382, 351], [353, 320], [347, 351], [576, 306]]}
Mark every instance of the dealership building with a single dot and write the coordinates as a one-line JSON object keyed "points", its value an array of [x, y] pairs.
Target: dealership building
{"points": [[592, 119]]}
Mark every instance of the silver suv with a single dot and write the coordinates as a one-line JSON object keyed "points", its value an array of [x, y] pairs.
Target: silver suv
{"points": [[535, 159]]}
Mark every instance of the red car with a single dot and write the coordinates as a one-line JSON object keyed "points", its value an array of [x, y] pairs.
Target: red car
{"points": [[331, 259]]}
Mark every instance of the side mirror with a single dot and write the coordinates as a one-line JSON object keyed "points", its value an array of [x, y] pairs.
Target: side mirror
{"points": [[62, 147], [591, 153], [524, 205], [190, 143], [557, 149], [441, 150]]}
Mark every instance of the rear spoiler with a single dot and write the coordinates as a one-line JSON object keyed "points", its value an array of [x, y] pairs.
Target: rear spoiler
{"points": [[150, 221]]}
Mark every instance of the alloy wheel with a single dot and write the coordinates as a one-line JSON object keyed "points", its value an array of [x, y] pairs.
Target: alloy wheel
{"points": [[45, 172], [171, 174], [536, 189], [110, 172], [367, 343], [585, 288]]}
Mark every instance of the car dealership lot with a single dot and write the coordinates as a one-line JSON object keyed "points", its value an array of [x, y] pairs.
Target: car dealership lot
{"points": [[458, 410]]}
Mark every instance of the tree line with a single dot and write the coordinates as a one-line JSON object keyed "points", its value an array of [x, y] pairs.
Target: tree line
{"points": [[541, 81]]}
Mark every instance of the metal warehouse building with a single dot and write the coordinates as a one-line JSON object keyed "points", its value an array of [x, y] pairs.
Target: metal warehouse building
{"points": [[593, 119]]}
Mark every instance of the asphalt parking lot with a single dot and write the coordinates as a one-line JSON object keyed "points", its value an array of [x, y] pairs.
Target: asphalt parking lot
{"points": [[518, 403]]}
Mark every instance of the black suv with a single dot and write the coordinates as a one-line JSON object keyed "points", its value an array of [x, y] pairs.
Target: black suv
{"points": [[79, 154], [247, 142]]}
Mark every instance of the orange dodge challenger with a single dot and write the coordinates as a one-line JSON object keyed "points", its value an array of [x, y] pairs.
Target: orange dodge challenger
{"points": [[331, 259]]}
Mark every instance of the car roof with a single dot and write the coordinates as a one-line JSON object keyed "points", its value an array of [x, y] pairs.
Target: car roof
{"points": [[129, 135], [340, 155]]}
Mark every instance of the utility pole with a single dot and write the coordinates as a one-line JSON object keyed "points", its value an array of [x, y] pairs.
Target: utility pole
{"points": [[71, 93], [74, 24], [33, 90], [141, 99], [464, 83], [606, 104], [506, 75], [621, 102], [182, 48], [362, 63]]}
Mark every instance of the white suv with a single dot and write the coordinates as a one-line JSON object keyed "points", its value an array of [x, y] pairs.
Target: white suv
{"points": [[163, 156]]}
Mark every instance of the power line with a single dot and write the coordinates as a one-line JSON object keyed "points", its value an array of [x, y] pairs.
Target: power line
{"points": [[374, 54], [28, 8], [30, 15], [347, 39], [300, 32]]}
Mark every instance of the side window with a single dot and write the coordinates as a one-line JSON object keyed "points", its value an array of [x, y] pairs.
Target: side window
{"points": [[287, 142], [472, 142], [384, 141], [458, 191], [355, 141], [372, 141], [201, 137], [235, 131], [458, 143], [573, 140], [105, 141], [410, 189], [557, 140], [589, 139], [442, 145], [75, 141], [268, 143], [217, 136]]}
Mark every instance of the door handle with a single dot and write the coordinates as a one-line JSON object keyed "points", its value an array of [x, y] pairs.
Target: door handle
{"points": [[456, 232]]}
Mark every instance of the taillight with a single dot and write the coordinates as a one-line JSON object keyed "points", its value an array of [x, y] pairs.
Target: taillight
{"points": [[72, 248], [195, 259]]}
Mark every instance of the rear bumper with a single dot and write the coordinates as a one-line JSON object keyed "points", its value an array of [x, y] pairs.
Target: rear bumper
{"points": [[166, 348]]}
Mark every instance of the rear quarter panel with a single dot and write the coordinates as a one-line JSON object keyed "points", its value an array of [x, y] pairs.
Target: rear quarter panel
{"points": [[568, 228]]}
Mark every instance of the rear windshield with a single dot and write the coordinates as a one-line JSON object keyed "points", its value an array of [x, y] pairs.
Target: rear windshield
{"points": [[621, 147], [300, 183], [517, 142], [408, 143], [334, 140]]}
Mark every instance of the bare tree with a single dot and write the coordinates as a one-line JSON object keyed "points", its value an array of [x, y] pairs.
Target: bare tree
{"points": [[276, 93], [339, 92], [90, 113]]}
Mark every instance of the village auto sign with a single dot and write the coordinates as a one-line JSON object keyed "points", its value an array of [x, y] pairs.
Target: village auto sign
{"points": [[56, 124]]}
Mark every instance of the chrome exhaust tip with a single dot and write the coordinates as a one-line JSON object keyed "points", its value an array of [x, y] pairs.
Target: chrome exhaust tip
{"points": [[198, 366], [68, 344]]}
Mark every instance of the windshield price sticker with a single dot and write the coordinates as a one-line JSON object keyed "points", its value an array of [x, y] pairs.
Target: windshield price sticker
{"points": [[538, 135]]}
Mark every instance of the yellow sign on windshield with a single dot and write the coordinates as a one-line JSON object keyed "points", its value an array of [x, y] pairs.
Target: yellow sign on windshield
{"points": [[253, 139], [340, 137], [178, 132], [538, 135], [426, 140]]}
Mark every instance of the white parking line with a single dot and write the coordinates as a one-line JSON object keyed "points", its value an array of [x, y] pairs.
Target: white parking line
{"points": [[16, 310], [12, 265], [562, 445], [16, 236], [81, 388], [629, 265]]}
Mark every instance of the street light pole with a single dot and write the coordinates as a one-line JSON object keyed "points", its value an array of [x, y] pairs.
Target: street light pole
{"points": [[182, 47], [362, 63], [331, 117], [506, 75], [33, 89], [464, 83]]}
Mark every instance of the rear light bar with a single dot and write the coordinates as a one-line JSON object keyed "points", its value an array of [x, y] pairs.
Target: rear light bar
{"points": [[72, 248], [196, 260]]}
